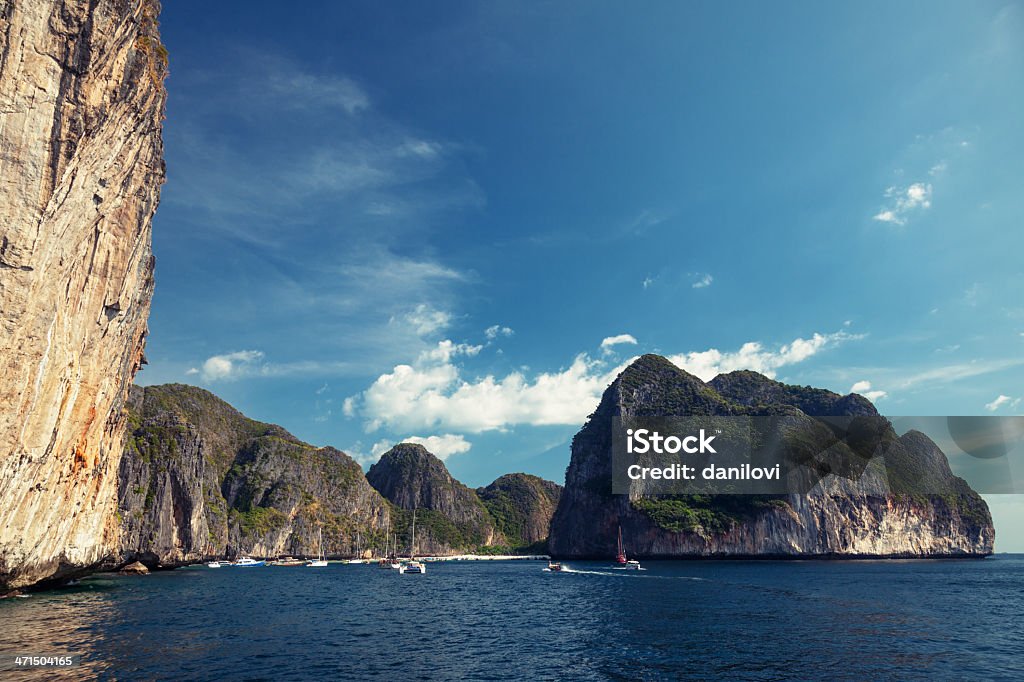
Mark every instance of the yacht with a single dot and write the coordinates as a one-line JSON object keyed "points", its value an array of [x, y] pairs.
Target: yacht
{"points": [[358, 559], [412, 566], [214, 564], [248, 562], [320, 560], [387, 560]]}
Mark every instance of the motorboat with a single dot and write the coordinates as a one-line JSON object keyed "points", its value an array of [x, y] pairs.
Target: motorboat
{"points": [[286, 561], [554, 567], [214, 564], [632, 565], [249, 562]]}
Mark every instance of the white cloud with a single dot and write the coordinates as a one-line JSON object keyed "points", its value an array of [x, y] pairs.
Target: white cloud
{"points": [[348, 407], [864, 389], [608, 344], [904, 201], [951, 373], [703, 281], [644, 221], [494, 331], [231, 365], [1000, 401], [426, 320], [648, 281], [446, 350], [443, 446], [192, 370], [291, 87], [752, 355], [938, 169], [376, 450], [421, 148], [433, 394]]}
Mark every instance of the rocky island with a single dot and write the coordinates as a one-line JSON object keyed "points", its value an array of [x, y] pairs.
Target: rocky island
{"points": [[200, 480], [839, 518]]}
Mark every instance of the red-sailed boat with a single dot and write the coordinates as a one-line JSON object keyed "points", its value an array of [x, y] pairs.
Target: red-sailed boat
{"points": [[620, 558]]}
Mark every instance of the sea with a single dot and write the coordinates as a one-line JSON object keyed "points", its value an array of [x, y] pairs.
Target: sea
{"points": [[514, 620]]}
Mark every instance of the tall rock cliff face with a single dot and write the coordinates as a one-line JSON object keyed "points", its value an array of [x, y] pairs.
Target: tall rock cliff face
{"points": [[522, 506], [198, 479], [81, 102], [450, 518], [876, 515]]}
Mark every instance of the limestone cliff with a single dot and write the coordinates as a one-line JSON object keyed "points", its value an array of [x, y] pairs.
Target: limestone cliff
{"points": [[199, 479], [450, 518], [81, 103], [522, 506], [880, 514]]}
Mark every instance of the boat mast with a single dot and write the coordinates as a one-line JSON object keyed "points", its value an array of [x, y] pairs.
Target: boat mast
{"points": [[412, 542]]}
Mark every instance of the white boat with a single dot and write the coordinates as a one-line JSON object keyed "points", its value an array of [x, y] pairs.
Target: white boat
{"points": [[412, 566], [213, 564], [393, 562], [359, 554], [248, 562], [320, 561], [620, 558]]}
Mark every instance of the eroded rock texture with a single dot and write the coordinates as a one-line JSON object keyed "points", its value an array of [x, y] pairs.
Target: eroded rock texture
{"points": [[884, 513], [81, 164]]}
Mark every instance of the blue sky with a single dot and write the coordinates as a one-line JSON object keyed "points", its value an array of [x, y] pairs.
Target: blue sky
{"points": [[454, 222]]}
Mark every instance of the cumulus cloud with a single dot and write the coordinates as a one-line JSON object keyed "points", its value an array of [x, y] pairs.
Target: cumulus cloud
{"points": [[703, 281], [367, 458], [230, 365], [609, 343], [904, 201], [494, 331], [1000, 401], [753, 355], [648, 281], [864, 389], [348, 407], [426, 320], [433, 393], [443, 446]]}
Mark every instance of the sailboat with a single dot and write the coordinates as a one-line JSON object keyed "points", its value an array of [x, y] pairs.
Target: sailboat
{"points": [[320, 561], [413, 566], [393, 561], [620, 558], [359, 554], [385, 561]]}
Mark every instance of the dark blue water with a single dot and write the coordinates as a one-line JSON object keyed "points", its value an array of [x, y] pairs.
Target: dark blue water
{"points": [[511, 620]]}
